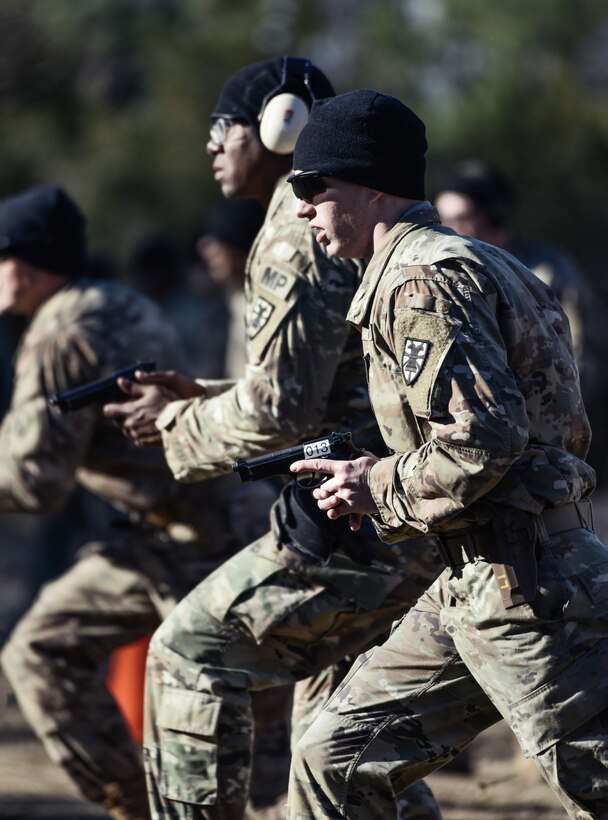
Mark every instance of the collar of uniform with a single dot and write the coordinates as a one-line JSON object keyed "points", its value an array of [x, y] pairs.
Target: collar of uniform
{"points": [[48, 306], [420, 214]]}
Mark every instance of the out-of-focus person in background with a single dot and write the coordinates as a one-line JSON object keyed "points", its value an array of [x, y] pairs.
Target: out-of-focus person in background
{"points": [[39, 547], [199, 313], [223, 249], [20, 577], [118, 589], [11, 328], [479, 200]]}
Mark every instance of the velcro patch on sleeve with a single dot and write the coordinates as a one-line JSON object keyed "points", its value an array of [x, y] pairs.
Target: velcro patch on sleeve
{"points": [[259, 314], [278, 282], [422, 341]]}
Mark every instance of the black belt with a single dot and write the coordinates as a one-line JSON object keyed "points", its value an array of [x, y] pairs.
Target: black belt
{"points": [[468, 546]]}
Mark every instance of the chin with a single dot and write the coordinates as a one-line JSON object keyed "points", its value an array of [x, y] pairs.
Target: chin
{"points": [[340, 251]]}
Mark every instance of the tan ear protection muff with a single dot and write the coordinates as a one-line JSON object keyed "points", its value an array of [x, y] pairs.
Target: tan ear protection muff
{"points": [[285, 109]]}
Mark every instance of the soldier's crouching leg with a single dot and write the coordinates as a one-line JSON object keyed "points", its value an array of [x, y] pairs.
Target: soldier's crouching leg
{"points": [[310, 696], [576, 769], [53, 661], [254, 624], [198, 721], [405, 708]]}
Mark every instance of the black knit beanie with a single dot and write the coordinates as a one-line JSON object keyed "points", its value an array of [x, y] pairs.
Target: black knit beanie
{"points": [[236, 222], [367, 138], [243, 94], [487, 187], [44, 227]]}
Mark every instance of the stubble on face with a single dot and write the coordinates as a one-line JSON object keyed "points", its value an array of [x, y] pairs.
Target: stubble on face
{"points": [[341, 220]]}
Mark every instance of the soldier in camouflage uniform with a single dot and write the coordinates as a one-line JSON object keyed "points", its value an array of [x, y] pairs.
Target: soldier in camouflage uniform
{"points": [[478, 200], [271, 615], [119, 590], [474, 384]]}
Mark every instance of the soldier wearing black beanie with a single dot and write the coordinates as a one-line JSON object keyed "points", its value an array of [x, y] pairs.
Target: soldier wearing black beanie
{"points": [[471, 374], [367, 138], [45, 228]]}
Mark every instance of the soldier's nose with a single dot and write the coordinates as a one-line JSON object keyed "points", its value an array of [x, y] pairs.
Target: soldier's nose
{"points": [[305, 210]]}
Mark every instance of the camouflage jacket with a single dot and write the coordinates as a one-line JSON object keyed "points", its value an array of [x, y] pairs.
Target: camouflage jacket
{"points": [[304, 374], [83, 332], [586, 311], [472, 379]]}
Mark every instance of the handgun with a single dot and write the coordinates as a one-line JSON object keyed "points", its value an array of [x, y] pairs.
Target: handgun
{"points": [[336, 445], [100, 391]]}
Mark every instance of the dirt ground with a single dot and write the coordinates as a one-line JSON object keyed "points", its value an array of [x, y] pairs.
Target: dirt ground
{"points": [[500, 784]]}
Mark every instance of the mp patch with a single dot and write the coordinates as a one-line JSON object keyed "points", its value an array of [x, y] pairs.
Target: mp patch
{"points": [[258, 317], [279, 283], [415, 353]]}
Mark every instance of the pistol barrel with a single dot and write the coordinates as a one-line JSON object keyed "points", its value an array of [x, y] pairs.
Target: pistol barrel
{"points": [[99, 391]]}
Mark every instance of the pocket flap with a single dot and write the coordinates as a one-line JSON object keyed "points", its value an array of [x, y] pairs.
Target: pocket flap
{"points": [[595, 582], [192, 712]]}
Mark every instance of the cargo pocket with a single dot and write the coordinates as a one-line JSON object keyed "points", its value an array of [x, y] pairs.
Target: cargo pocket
{"points": [[558, 707], [580, 690], [595, 582], [582, 562], [187, 723], [239, 577]]}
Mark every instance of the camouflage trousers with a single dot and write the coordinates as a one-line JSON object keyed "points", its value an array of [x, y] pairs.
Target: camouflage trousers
{"points": [[116, 592], [457, 663], [264, 619]]}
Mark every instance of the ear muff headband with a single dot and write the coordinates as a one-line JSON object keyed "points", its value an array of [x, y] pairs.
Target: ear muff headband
{"points": [[284, 113]]}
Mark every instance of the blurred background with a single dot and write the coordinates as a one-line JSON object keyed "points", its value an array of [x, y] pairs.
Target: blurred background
{"points": [[111, 99]]}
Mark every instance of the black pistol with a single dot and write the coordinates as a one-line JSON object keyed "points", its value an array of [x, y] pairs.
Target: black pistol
{"points": [[336, 445], [100, 391]]}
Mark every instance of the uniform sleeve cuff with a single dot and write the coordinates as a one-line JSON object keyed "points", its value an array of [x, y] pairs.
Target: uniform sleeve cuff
{"points": [[214, 387], [381, 485], [166, 418]]}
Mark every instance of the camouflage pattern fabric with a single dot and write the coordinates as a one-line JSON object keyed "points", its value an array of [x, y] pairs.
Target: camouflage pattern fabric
{"points": [[587, 314], [83, 332], [479, 358], [304, 374], [582, 305], [116, 591], [267, 618], [311, 695], [477, 353], [263, 619]]}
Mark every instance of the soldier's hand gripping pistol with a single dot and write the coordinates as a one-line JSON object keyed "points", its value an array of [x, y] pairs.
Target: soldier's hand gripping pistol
{"points": [[338, 446], [100, 391]]}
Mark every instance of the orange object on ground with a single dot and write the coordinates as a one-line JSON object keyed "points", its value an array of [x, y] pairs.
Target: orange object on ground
{"points": [[126, 675]]}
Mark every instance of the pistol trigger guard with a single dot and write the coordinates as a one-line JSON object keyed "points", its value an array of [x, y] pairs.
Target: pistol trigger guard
{"points": [[311, 483]]}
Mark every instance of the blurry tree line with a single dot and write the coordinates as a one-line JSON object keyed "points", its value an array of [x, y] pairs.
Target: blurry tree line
{"points": [[111, 98]]}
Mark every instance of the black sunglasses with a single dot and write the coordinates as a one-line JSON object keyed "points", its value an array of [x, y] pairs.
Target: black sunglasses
{"points": [[307, 185]]}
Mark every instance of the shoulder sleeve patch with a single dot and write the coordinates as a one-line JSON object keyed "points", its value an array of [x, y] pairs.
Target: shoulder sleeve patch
{"points": [[422, 342], [279, 282], [258, 316]]}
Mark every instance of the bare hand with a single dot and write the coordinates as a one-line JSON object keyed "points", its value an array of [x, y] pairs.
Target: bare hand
{"points": [[347, 491], [149, 395]]}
